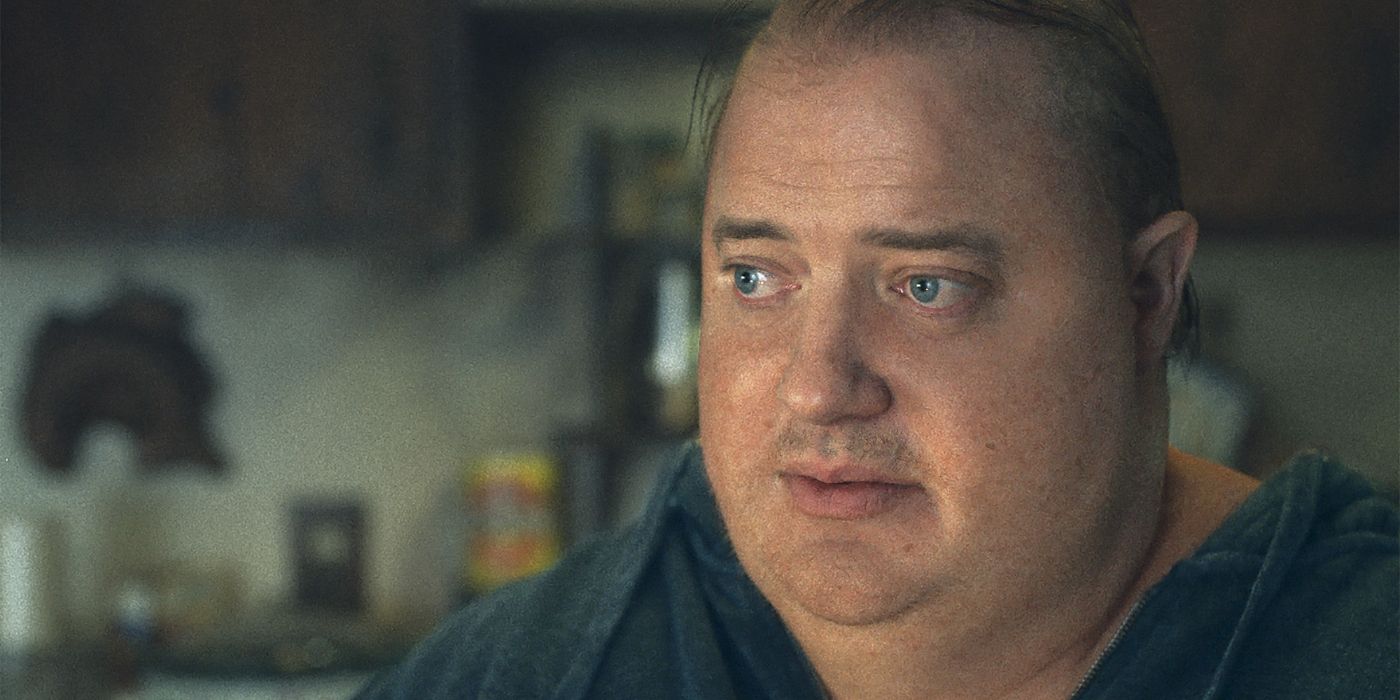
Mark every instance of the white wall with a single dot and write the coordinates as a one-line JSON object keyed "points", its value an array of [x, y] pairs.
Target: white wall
{"points": [[334, 379], [1313, 324]]}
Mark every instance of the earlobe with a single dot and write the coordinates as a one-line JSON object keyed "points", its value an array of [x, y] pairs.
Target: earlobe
{"points": [[1159, 257]]}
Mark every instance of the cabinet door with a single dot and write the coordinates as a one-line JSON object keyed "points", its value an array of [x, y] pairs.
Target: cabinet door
{"points": [[325, 122], [1282, 111]]}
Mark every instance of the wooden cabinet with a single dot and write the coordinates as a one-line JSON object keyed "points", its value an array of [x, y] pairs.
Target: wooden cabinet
{"points": [[306, 122], [427, 124], [1285, 113]]}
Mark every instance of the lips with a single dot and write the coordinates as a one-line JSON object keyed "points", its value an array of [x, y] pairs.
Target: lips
{"points": [[846, 493]]}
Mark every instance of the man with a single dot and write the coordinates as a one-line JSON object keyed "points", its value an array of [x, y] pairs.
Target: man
{"points": [[943, 259]]}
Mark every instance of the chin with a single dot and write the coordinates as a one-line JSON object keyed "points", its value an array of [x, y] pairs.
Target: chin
{"points": [[844, 583]]}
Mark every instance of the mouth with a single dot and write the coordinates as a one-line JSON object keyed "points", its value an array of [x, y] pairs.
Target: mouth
{"points": [[846, 494]]}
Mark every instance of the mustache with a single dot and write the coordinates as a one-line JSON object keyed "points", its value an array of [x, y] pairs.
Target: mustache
{"points": [[881, 447]]}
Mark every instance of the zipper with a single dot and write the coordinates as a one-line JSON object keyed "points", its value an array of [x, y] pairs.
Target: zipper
{"points": [[1113, 643]]}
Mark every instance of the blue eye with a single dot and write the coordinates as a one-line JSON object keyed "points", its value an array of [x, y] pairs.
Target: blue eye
{"points": [[933, 292], [747, 280], [925, 289]]}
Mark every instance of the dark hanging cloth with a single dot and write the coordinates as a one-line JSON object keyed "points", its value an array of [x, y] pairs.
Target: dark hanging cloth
{"points": [[130, 363]]}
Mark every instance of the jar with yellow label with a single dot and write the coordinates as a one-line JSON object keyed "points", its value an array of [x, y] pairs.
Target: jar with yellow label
{"points": [[512, 499]]}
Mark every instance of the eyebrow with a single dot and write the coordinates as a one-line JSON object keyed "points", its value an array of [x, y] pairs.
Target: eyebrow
{"points": [[980, 242], [727, 229]]}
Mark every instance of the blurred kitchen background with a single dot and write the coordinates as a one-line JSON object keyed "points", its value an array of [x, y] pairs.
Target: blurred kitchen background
{"points": [[317, 319]]}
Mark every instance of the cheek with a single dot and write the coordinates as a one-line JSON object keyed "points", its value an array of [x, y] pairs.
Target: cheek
{"points": [[1036, 421], [738, 371], [1035, 392]]}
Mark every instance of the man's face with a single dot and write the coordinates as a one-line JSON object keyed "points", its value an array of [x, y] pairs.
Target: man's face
{"points": [[917, 380]]}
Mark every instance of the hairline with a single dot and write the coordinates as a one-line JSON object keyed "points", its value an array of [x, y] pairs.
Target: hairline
{"points": [[1097, 147], [1052, 39]]}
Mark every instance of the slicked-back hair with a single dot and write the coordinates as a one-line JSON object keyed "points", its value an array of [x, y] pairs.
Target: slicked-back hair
{"points": [[1099, 77]]}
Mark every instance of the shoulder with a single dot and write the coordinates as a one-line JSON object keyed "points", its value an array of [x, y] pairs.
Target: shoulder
{"points": [[1311, 511], [1334, 625], [1325, 517]]}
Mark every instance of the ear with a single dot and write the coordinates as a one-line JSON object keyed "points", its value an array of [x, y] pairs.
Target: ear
{"points": [[1158, 259]]}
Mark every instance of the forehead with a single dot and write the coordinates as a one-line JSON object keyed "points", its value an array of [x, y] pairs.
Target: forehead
{"points": [[967, 117]]}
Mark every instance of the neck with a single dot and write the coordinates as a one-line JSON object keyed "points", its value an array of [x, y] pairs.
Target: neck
{"points": [[1026, 648]]}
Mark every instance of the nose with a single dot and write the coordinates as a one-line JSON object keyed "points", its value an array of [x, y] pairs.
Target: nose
{"points": [[827, 379]]}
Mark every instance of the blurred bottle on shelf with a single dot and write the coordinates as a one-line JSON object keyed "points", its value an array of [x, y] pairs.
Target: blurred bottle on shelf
{"points": [[512, 501]]}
